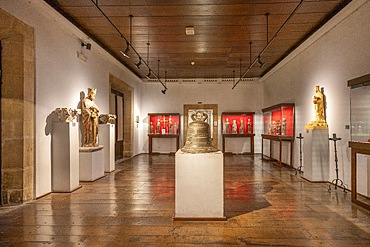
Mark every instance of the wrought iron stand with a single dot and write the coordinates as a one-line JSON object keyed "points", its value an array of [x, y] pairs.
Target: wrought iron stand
{"points": [[299, 169], [336, 180]]}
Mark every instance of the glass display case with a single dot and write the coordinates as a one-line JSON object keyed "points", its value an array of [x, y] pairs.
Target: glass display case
{"points": [[279, 126], [279, 120], [163, 125], [238, 124], [360, 113]]}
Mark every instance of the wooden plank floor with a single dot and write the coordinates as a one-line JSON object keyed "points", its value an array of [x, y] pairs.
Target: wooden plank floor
{"points": [[134, 206]]}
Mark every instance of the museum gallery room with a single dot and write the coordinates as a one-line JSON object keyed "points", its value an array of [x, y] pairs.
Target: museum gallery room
{"points": [[185, 123]]}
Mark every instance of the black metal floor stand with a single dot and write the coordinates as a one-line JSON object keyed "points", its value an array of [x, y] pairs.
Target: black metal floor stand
{"points": [[336, 180], [299, 169]]}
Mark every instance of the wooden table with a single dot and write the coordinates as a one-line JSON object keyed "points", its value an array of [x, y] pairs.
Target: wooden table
{"points": [[279, 139], [151, 136], [357, 148], [251, 136]]}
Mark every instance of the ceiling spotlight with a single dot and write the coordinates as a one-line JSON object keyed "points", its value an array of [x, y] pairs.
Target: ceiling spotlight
{"points": [[138, 64], [87, 45], [164, 91], [149, 74], [189, 30], [260, 63], [125, 53]]}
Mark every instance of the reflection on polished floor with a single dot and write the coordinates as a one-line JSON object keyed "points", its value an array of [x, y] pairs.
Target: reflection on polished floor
{"points": [[134, 206]]}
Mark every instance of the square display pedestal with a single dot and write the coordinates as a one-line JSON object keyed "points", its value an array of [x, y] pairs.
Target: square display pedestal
{"points": [[65, 161], [91, 163], [316, 155], [199, 186], [107, 138]]}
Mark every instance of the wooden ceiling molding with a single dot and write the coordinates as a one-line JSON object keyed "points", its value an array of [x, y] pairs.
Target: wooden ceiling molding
{"points": [[223, 30]]}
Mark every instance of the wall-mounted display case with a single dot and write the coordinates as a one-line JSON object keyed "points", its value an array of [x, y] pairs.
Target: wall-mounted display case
{"points": [[279, 126], [238, 124], [163, 125]]}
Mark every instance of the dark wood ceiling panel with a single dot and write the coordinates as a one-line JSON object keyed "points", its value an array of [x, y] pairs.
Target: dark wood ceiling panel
{"points": [[223, 30]]}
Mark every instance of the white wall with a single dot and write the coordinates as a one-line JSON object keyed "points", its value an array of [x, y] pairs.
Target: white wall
{"points": [[338, 52], [247, 96], [61, 76]]}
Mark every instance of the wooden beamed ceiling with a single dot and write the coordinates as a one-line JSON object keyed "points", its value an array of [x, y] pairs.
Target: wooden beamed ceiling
{"points": [[223, 31]]}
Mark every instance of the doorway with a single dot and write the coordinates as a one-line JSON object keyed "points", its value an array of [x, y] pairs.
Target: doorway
{"points": [[119, 111]]}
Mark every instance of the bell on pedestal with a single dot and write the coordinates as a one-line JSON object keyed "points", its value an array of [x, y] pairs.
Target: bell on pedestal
{"points": [[198, 138]]}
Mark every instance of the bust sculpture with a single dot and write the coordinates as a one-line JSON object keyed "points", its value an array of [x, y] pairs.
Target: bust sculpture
{"points": [[90, 118], [198, 137]]}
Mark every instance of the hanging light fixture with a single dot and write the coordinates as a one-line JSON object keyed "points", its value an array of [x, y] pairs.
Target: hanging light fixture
{"points": [[260, 63], [165, 82], [138, 64], [147, 59], [128, 44]]}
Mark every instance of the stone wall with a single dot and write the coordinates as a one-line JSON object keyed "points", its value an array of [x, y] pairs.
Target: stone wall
{"points": [[17, 110]]}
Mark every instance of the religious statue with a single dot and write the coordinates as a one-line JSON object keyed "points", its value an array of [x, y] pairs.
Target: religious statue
{"points": [[170, 126], [283, 129], [90, 118], [151, 128], [175, 130], [158, 127], [249, 126], [241, 127], [234, 129], [227, 126], [318, 101], [278, 127]]}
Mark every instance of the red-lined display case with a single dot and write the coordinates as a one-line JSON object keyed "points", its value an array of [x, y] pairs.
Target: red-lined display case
{"points": [[238, 125], [163, 125], [279, 125]]}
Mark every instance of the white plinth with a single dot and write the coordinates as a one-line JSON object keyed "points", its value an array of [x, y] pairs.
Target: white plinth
{"points": [[316, 155], [199, 185], [107, 138], [65, 161], [91, 163]]}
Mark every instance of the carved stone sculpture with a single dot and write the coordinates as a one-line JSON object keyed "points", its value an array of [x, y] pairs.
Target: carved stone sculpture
{"points": [[234, 129], [107, 118], [318, 101], [249, 126], [241, 127], [66, 114], [227, 126], [90, 115], [198, 137]]}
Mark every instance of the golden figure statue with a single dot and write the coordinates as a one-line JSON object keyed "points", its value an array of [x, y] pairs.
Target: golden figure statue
{"points": [[318, 101], [90, 117]]}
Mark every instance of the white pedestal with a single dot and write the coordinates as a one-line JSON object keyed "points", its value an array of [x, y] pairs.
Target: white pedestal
{"points": [[91, 163], [107, 138], [65, 161], [316, 156], [199, 186]]}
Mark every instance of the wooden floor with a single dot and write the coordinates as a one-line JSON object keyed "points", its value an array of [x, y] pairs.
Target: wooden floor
{"points": [[134, 206]]}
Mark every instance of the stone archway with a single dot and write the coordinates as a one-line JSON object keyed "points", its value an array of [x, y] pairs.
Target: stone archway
{"points": [[17, 110]]}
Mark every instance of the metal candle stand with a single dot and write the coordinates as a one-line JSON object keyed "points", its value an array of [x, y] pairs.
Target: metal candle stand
{"points": [[299, 169], [335, 181]]}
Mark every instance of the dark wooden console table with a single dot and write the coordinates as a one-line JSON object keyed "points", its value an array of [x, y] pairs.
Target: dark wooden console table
{"points": [[279, 139], [251, 136], [357, 148], [151, 136]]}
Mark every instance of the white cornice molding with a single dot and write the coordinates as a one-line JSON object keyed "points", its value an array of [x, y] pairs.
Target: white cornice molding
{"points": [[341, 16]]}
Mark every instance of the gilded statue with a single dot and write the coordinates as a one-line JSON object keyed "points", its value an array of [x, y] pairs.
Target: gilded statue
{"points": [[318, 101], [90, 118]]}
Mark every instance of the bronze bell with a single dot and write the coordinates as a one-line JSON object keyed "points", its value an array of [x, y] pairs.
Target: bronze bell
{"points": [[198, 136]]}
